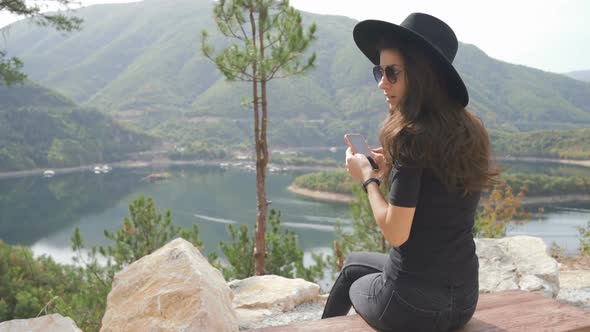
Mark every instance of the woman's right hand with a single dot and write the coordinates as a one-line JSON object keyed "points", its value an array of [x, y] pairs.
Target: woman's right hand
{"points": [[379, 157]]}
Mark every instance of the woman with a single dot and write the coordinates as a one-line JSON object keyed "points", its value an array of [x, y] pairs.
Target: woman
{"points": [[435, 160]]}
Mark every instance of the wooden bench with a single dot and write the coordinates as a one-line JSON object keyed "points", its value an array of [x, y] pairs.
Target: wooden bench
{"points": [[503, 311]]}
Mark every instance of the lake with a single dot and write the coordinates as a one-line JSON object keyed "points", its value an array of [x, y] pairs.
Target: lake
{"points": [[42, 213]]}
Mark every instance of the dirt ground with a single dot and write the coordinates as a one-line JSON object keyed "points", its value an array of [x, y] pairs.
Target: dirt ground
{"points": [[569, 263]]}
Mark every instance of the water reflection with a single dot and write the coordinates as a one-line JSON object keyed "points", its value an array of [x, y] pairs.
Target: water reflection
{"points": [[34, 207]]}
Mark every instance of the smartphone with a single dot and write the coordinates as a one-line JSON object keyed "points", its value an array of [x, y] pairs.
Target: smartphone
{"points": [[358, 144]]}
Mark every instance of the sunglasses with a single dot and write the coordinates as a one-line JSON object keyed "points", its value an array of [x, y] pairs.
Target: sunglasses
{"points": [[390, 72]]}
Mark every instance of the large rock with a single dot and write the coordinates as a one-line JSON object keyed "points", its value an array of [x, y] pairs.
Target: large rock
{"points": [[48, 323], [518, 262], [173, 289], [261, 299]]}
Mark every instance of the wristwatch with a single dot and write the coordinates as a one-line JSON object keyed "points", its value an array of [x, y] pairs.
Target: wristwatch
{"points": [[369, 180]]}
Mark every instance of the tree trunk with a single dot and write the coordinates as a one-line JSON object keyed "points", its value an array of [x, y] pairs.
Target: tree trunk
{"points": [[260, 252], [260, 247], [262, 163]]}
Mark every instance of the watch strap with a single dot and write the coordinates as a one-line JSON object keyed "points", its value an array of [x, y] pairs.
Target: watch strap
{"points": [[368, 181]]}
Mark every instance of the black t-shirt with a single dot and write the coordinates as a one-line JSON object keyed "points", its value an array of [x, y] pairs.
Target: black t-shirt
{"points": [[440, 248]]}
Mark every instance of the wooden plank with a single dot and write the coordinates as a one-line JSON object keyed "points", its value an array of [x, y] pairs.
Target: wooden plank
{"points": [[504, 298], [509, 324], [581, 329], [496, 312], [529, 310]]}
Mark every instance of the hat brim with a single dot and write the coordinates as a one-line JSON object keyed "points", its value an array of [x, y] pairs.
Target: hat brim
{"points": [[368, 33]]}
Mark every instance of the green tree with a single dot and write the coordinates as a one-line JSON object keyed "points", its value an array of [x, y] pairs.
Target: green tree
{"points": [[285, 258], [584, 239], [365, 235], [144, 231], [269, 41], [28, 284], [10, 68]]}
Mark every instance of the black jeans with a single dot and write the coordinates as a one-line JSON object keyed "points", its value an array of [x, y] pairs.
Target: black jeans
{"points": [[369, 282]]}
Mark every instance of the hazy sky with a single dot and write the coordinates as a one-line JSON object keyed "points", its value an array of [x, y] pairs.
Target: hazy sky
{"points": [[549, 35]]}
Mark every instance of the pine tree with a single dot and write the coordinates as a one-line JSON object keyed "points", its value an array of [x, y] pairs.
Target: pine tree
{"points": [[269, 41]]}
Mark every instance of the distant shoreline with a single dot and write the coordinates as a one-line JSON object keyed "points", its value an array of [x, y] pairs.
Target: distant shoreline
{"points": [[346, 198], [321, 195], [144, 164], [75, 169], [584, 163], [166, 162]]}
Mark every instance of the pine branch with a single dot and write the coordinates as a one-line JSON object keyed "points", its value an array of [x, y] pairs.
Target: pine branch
{"points": [[228, 20]]}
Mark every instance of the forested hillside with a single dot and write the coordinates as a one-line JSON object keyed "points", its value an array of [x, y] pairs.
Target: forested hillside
{"points": [[40, 128], [141, 62]]}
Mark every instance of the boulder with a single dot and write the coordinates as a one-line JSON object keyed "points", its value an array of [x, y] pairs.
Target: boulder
{"points": [[517, 262], [264, 298], [173, 289], [48, 323]]}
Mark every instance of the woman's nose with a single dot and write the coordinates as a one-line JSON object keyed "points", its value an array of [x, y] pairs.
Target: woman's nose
{"points": [[383, 83]]}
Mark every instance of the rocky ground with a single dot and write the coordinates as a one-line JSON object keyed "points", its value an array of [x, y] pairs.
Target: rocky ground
{"points": [[574, 263], [574, 281], [303, 312]]}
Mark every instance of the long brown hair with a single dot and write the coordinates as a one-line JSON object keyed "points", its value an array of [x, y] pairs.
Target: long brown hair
{"points": [[429, 129]]}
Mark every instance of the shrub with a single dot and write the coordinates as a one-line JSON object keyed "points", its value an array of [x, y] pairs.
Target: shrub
{"points": [[28, 284], [365, 235], [584, 239], [498, 210], [284, 257]]}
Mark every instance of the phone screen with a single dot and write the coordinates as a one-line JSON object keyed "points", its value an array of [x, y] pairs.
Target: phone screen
{"points": [[359, 144]]}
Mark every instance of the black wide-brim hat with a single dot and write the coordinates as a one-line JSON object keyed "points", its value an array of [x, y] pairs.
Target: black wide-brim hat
{"points": [[429, 33]]}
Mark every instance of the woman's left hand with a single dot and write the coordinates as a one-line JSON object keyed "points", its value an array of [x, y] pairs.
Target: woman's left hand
{"points": [[358, 166]]}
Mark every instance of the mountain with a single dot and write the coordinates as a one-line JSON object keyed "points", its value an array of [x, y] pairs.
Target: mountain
{"points": [[32, 95], [141, 63], [517, 97], [40, 128], [581, 75]]}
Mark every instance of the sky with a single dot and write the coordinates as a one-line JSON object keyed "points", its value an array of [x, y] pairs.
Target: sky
{"points": [[552, 35]]}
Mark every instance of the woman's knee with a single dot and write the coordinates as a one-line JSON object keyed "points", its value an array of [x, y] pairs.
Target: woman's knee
{"points": [[352, 258], [367, 259]]}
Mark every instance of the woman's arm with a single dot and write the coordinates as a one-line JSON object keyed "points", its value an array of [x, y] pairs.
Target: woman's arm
{"points": [[394, 221]]}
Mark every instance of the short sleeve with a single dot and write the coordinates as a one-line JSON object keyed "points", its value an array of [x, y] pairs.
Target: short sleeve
{"points": [[404, 186]]}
